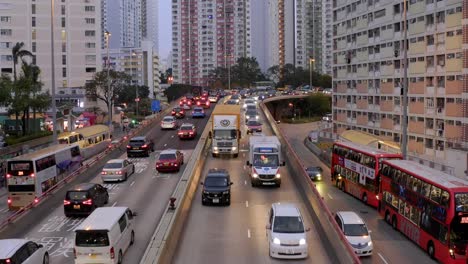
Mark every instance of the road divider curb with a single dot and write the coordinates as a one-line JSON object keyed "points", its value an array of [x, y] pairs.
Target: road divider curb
{"points": [[323, 219], [165, 239]]}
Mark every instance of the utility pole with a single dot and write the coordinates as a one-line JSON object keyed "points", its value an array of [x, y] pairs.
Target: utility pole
{"points": [[52, 63], [107, 34], [404, 141]]}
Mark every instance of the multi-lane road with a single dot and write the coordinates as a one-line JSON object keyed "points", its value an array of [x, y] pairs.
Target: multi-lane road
{"points": [[237, 234], [146, 192]]}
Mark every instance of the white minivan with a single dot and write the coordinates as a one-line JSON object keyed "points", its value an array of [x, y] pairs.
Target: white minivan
{"points": [[286, 232], [104, 236], [355, 231]]}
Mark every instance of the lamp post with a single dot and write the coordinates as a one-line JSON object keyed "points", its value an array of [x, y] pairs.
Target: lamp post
{"points": [[229, 71], [311, 68], [137, 99], [107, 34], [404, 141], [52, 63]]}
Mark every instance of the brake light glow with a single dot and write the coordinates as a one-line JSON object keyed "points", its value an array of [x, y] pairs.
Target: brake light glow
{"points": [[32, 175], [144, 146], [191, 133], [36, 200], [112, 253], [198, 103], [173, 112], [8, 261], [8, 175], [180, 133], [88, 202], [9, 200], [66, 202], [128, 146], [181, 112]]}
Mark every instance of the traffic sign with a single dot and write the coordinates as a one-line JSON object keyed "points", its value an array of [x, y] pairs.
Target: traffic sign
{"points": [[155, 106]]}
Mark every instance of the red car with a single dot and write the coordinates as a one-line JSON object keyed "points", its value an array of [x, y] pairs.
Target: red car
{"points": [[203, 103], [185, 101], [170, 160], [178, 112], [187, 131]]}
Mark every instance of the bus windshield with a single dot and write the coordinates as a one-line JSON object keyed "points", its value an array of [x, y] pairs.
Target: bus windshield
{"points": [[461, 202], [266, 160]]}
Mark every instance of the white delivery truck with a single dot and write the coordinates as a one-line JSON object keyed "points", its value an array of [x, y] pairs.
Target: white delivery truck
{"points": [[265, 159], [225, 130]]}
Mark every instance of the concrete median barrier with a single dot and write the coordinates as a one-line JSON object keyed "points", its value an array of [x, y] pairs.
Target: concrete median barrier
{"points": [[164, 241], [334, 241]]}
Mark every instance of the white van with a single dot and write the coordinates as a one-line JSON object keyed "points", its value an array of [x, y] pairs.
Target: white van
{"points": [[286, 232], [104, 236], [355, 231]]}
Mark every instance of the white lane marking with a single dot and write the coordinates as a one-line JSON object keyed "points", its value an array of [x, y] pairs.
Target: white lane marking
{"points": [[131, 184], [114, 204], [245, 182], [154, 176], [171, 137], [4, 210], [248, 234], [165, 144], [244, 167], [243, 155], [246, 203], [330, 196], [382, 258]]}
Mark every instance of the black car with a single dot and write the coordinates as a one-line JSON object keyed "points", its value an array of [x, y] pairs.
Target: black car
{"points": [[315, 173], [139, 146], [217, 187], [83, 198]]}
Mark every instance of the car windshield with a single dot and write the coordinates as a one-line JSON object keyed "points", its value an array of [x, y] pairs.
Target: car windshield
{"points": [[235, 97], [198, 110], [355, 230], [251, 107], [137, 142], [288, 224], [461, 202], [77, 195], [177, 109], [167, 157], [314, 169], [251, 113], [231, 102], [216, 182], [94, 238], [225, 134], [113, 165], [186, 128], [266, 160], [253, 123], [168, 119]]}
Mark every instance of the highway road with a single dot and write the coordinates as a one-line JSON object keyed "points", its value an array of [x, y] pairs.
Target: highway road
{"points": [[390, 246], [146, 192], [237, 234]]}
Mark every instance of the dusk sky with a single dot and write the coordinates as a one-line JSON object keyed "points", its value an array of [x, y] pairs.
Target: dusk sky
{"points": [[165, 28]]}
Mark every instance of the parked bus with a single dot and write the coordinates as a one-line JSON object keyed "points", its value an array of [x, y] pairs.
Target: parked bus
{"points": [[30, 175], [428, 206], [91, 140], [355, 170]]}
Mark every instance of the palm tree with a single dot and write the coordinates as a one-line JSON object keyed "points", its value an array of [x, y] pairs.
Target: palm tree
{"points": [[18, 53]]}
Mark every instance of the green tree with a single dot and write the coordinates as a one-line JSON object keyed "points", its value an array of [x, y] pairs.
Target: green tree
{"points": [[245, 71], [18, 53], [176, 91], [128, 94], [319, 104], [6, 88], [99, 86], [218, 74]]}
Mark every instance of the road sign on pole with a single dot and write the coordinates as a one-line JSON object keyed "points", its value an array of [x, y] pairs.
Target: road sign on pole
{"points": [[155, 106]]}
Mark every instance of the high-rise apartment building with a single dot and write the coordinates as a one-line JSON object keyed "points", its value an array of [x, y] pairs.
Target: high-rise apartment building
{"points": [[368, 70], [77, 40], [206, 35], [327, 37], [123, 19]]}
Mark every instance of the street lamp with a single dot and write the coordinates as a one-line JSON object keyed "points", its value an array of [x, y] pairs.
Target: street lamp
{"points": [[311, 68], [229, 71], [107, 34], [52, 63], [404, 141], [137, 99]]}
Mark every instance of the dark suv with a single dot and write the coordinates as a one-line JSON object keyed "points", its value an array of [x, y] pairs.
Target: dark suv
{"points": [[217, 187], [140, 146], [83, 198]]}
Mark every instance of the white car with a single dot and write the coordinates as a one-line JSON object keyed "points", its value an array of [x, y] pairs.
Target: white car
{"points": [[249, 101], [169, 122], [286, 233], [117, 170], [22, 251], [356, 232]]}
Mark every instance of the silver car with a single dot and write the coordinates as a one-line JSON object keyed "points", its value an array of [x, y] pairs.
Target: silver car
{"points": [[169, 122], [117, 170], [25, 251]]}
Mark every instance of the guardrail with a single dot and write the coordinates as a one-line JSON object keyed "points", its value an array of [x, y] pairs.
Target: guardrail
{"points": [[328, 228], [164, 241], [143, 129]]}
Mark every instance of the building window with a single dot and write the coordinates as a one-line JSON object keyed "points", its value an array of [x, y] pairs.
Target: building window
{"points": [[90, 33], [34, 59], [33, 34], [90, 21], [5, 19], [64, 47], [64, 35], [5, 45], [64, 59], [64, 83], [33, 46], [90, 69], [63, 22], [33, 9], [64, 72], [5, 32], [90, 45], [89, 8], [33, 21]]}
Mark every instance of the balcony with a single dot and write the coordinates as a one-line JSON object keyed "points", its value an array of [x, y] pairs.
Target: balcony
{"points": [[341, 117], [430, 48], [417, 28], [397, 109], [362, 104], [341, 103], [397, 127], [440, 154], [388, 70], [417, 48], [362, 120], [362, 72], [362, 40], [430, 152], [341, 88], [430, 132], [417, 8], [417, 67], [386, 88], [454, 87], [386, 106], [416, 88]]}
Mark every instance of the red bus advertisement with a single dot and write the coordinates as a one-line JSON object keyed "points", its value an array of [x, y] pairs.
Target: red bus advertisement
{"points": [[428, 206], [355, 170]]}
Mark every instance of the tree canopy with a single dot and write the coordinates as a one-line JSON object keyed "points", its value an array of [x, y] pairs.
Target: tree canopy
{"points": [[99, 86]]}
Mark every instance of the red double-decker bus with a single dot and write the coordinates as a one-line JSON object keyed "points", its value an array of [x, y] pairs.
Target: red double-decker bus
{"points": [[428, 206], [355, 170]]}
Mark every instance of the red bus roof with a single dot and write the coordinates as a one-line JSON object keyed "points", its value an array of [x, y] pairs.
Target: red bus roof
{"points": [[367, 150], [432, 175]]}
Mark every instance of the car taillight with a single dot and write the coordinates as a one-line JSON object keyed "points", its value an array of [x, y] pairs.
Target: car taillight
{"points": [[88, 202], [8, 175], [157, 165], [32, 175], [181, 112], [180, 133], [198, 103], [8, 261], [66, 202], [144, 146], [191, 133], [36, 200], [128, 146], [112, 253], [173, 112], [9, 200], [104, 172]]}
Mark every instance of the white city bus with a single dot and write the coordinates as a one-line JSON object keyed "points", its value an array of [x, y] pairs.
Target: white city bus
{"points": [[32, 174]]}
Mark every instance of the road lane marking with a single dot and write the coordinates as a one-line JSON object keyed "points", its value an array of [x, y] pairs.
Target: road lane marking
{"points": [[171, 137], [245, 182], [154, 176], [246, 203], [330, 196], [131, 184], [243, 155], [114, 204], [382, 258], [244, 167], [165, 144], [4, 210], [248, 234]]}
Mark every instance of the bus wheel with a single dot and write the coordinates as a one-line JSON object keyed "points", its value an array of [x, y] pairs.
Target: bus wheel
{"points": [[394, 222], [364, 198], [387, 217], [430, 249]]}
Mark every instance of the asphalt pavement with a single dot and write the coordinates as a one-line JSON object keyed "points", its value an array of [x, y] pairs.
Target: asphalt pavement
{"points": [[237, 234], [146, 192], [390, 246]]}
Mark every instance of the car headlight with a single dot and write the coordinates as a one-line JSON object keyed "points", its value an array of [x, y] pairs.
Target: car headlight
{"points": [[215, 148], [319, 175], [256, 117], [226, 192], [369, 243], [247, 117], [302, 241], [255, 175], [276, 241], [234, 148], [278, 175]]}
